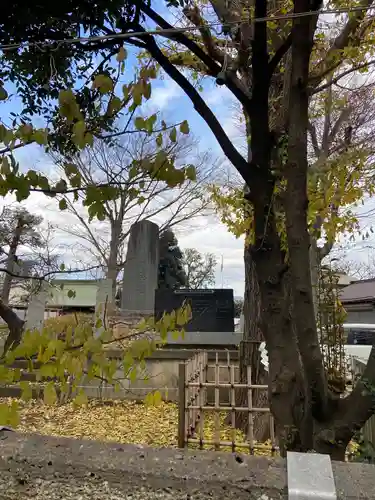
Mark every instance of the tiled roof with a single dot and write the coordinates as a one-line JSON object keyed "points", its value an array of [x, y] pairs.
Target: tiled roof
{"points": [[358, 291]]}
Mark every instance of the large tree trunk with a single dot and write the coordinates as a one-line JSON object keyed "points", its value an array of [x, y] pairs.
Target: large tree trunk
{"points": [[112, 263], [296, 207], [250, 355], [15, 325]]}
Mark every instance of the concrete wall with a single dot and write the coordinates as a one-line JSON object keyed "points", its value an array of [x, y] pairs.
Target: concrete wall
{"points": [[360, 317], [162, 372], [47, 468], [85, 293]]}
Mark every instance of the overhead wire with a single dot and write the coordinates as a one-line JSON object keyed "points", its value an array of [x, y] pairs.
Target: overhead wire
{"points": [[171, 31]]}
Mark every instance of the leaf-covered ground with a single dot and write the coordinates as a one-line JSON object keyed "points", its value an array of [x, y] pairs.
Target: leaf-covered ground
{"points": [[120, 421]]}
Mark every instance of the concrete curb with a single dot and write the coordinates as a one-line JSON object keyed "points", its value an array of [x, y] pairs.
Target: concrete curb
{"points": [[56, 468]]}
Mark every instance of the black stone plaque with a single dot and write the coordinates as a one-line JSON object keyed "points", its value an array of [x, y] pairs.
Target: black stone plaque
{"points": [[212, 309]]}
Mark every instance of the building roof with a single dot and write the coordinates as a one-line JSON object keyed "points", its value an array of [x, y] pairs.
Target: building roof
{"points": [[358, 291]]}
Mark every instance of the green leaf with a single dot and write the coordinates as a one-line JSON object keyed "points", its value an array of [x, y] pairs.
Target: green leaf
{"points": [[146, 90], [139, 123], [71, 294], [103, 83], [153, 399], [125, 91], [27, 392], [122, 55], [133, 171], [50, 396], [70, 169], [79, 128], [63, 204], [40, 136], [184, 127], [152, 72], [115, 104], [150, 122], [137, 95], [9, 414], [5, 167], [159, 140], [60, 186], [191, 173], [173, 134], [89, 139], [80, 399]]}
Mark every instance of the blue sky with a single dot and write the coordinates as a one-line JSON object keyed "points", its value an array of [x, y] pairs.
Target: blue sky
{"points": [[209, 235]]}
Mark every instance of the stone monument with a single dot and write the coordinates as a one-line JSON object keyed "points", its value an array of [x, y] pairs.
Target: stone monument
{"points": [[141, 269], [36, 308]]}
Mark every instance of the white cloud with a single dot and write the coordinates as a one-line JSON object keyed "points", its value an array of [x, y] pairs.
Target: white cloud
{"points": [[163, 95], [214, 238]]}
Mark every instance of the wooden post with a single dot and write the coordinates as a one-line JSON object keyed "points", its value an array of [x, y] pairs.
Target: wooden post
{"points": [[181, 405]]}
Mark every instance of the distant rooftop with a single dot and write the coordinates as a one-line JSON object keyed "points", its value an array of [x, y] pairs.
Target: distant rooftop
{"points": [[358, 291]]}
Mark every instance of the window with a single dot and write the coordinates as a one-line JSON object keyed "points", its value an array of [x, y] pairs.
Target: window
{"points": [[360, 337]]}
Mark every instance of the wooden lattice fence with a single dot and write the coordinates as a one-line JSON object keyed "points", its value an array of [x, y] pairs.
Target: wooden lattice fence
{"points": [[197, 379]]}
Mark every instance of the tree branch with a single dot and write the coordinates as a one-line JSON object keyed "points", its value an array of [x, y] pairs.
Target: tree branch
{"points": [[49, 273], [233, 86], [341, 75], [279, 54], [201, 107], [328, 64]]}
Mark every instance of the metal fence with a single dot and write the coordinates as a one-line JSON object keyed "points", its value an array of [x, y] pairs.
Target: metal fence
{"points": [[201, 394]]}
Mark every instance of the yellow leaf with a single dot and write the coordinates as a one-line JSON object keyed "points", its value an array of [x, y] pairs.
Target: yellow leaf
{"points": [[50, 396]]}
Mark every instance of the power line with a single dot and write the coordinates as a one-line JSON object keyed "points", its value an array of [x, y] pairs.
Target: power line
{"points": [[171, 31]]}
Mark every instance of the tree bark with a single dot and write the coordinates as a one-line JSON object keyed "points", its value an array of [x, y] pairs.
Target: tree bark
{"points": [[314, 273], [15, 325], [250, 355], [112, 262], [296, 205]]}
